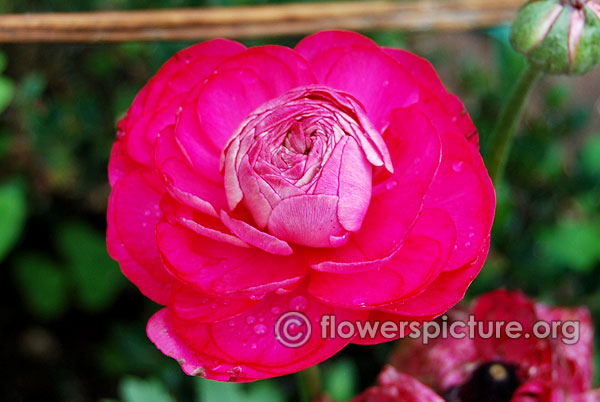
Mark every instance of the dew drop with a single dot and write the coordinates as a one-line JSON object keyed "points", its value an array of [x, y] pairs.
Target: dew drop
{"points": [[471, 235], [467, 244], [144, 224], [260, 329], [253, 346], [250, 320], [458, 166], [386, 83], [275, 310], [232, 323], [298, 303], [391, 184], [147, 212]]}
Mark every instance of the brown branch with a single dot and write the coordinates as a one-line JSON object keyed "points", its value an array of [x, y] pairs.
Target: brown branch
{"points": [[256, 21]]}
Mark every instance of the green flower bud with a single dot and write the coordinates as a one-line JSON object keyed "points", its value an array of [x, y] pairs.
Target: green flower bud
{"points": [[559, 36]]}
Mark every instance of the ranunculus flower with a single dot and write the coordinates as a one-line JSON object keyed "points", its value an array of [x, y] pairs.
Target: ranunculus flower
{"points": [[335, 178], [557, 368]]}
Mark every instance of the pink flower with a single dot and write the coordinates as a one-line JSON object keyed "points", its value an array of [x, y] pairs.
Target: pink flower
{"points": [[512, 369], [338, 178]]}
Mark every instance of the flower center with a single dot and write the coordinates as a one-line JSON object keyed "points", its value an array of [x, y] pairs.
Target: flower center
{"points": [[490, 382]]}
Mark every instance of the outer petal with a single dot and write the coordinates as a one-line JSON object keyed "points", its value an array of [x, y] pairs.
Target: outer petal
{"points": [[220, 268], [182, 182], [463, 188], [409, 271], [397, 200], [245, 347], [447, 290], [133, 214], [180, 73], [375, 79], [452, 110], [314, 45]]}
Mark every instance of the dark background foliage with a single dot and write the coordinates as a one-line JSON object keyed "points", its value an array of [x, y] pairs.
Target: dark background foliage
{"points": [[72, 328]]}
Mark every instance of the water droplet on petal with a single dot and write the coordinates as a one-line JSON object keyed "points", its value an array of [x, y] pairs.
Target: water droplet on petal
{"points": [[250, 320], [147, 212], [391, 184], [275, 310], [458, 166], [467, 244], [386, 83], [253, 346], [260, 329], [298, 303], [232, 323]]}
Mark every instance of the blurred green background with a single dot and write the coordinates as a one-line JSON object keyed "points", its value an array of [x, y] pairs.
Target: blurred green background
{"points": [[72, 328]]}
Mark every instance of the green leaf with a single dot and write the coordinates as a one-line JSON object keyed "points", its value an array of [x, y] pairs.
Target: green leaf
{"points": [[7, 92], [12, 215], [42, 284], [214, 391], [590, 155], [340, 380], [95, 275], [139, 390], [573, 244]]}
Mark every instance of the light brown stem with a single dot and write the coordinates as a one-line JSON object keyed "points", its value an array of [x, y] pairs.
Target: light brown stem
{"points": [[255, 21]]}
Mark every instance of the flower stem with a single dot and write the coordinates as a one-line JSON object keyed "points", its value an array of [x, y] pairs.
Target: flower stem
{"points": [[311, 386], [502, 137]]}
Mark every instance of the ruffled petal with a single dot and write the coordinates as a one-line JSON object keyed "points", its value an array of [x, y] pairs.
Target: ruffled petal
{"points": [[379, 82], [315, 45], [444, 292], [184, 70], [419, 261], [220, 268], [433, 93], [463, 188], [246, 346], [397, 200], [133, 213]]}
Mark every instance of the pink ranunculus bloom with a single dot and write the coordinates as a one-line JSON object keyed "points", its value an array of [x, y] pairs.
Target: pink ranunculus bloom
{"points": [[336, 178], [527, 368]]}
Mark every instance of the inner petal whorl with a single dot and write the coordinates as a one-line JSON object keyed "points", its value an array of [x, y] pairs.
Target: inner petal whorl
{"points": [[299, 145]]}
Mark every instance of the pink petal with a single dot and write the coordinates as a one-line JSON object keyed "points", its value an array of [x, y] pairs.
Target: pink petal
{"points": [[419, 261], [182, 182], [443, 293], [119, 164], [463, 188], [180, 73], [202, 224], [249, 339], [226, 99], [220, 268], [279, 67], [375, 79], [309, 220], [191, 304], [257, 238], [397, 200], [314, 45], [133, 213], [432, 88]]}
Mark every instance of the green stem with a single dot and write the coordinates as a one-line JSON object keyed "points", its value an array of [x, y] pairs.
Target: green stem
{"points": [[502, 137], [311, 386]]}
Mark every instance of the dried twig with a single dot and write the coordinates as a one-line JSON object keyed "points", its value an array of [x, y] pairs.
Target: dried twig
{"points": [[255, 21]]}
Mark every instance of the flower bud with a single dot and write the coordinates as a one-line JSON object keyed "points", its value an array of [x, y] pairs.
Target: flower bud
{"points": [[559, 36]]}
